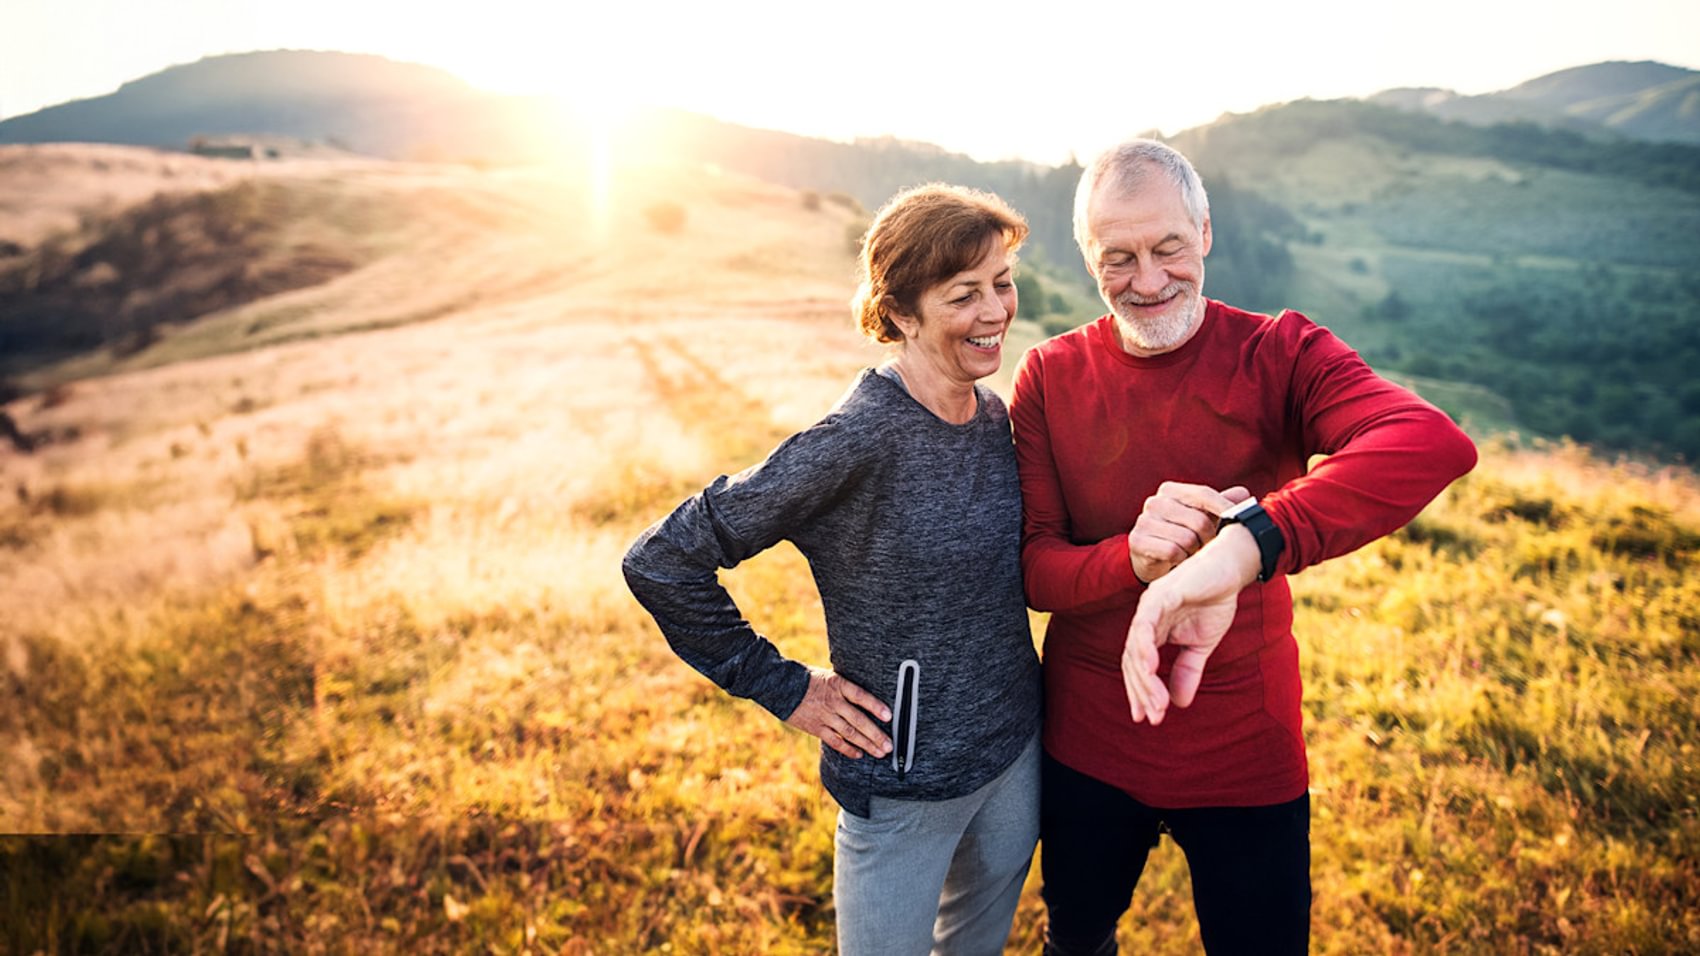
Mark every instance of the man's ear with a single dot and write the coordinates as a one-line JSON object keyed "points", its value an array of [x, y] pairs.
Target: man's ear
{"points": [[1206, 235]]}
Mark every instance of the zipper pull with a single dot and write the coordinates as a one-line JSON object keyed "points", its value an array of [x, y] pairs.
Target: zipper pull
{"points": [[904, 716]]}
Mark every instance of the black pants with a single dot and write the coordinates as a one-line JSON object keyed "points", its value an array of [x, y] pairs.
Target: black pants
{"points": [[1250, 866]]}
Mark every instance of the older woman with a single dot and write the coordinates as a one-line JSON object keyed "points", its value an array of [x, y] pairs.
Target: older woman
{"points": [[905, 500]]}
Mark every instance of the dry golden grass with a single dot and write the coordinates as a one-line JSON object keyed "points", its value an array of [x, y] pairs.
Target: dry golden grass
{"points": [[314, 637], [48, 188], [368, 581]]}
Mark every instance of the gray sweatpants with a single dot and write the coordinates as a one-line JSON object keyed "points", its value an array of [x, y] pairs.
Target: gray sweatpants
{"points": [[942, 876]]}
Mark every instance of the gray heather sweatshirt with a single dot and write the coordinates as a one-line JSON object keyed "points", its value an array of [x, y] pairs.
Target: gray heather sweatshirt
{"points": [[912, 527]]}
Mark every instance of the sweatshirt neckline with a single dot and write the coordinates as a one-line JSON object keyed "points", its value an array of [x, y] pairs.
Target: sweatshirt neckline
{"points": [[901, 395], [1104, 332]]}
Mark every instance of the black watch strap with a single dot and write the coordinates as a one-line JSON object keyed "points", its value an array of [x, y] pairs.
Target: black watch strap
{"points": [[1270, 543]]}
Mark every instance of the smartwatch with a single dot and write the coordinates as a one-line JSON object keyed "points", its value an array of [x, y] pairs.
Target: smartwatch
{"points": [[1270, 543]]}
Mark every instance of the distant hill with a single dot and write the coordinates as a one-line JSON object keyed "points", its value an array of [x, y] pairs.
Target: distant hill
{"points": [[1642, 100], [392, 110], [367, 104], [1530, 275], [273, 253], [1535, 266], [871, 170]]}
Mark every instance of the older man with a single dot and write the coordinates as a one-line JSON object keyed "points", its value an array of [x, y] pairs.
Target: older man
{"points": [[1165, 457]]}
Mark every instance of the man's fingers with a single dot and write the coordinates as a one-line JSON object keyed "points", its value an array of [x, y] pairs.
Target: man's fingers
{"points": [[1156, 694], [1185, 527], [1166, 510], [1146, 696], [1135, 685], [1157, 552], [1202, 497], [1185, 515], [1148, 632], [1131, 678], [1167, 533], [1185, 675], [1236, 494]]}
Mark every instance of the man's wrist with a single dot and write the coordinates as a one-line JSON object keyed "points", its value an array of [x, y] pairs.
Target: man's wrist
{"points": [[1265, 535], [1240, 552]]}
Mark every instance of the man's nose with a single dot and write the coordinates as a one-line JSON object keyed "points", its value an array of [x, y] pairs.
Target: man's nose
{"points": [[1148, 278]]}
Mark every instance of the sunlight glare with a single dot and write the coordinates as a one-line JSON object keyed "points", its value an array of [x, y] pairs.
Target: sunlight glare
{"points": [[606, 116], [594, 133]]}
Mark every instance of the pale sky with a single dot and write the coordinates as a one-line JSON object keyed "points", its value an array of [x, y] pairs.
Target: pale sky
{"points": [[992, 80]]}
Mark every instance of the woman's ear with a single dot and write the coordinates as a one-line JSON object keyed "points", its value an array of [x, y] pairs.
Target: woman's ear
{"points": [[908, 324]]}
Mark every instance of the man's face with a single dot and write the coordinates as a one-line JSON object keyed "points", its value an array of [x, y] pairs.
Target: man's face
{"points": [[1148, 258]]}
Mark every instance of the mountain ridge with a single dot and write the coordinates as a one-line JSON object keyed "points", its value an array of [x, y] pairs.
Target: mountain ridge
{"points": [[1641, 99], [1442, 250]]}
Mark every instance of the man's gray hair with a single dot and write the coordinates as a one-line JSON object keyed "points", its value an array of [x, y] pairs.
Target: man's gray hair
{"points": [[1125, 167]]}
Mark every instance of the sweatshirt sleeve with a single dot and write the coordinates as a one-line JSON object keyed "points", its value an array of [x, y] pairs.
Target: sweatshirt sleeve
{"points": [[1059, 574], [1389, 453], [672, 567]]}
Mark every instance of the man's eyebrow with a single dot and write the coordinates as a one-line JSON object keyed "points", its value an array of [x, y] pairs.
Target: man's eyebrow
{"points": [[1109, 248]]}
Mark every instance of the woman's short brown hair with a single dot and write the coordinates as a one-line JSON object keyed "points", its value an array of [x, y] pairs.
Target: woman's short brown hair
{"points": [[921, 237]]}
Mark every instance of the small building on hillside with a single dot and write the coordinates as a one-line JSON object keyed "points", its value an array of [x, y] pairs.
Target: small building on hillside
{"points": [[233, 147], [263, 146]]}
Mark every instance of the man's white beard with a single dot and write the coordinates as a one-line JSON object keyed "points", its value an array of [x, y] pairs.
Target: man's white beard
{"points": [[1166, 331]]}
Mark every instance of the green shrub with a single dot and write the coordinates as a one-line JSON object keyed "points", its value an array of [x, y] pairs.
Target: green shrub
{"points": [[848, 202], [665, 216], [853, 234]]}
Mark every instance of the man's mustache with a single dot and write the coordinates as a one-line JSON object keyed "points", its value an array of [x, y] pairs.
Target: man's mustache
{"points": [[1169, 291]]}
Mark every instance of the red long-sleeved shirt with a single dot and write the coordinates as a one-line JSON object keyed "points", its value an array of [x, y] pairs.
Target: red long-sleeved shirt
{"points": [[1247, 401]]}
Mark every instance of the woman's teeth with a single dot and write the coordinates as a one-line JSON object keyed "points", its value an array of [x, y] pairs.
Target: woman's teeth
{"points": [[989, 342]]}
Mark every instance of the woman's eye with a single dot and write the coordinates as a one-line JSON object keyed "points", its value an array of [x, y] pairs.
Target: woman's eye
{"points": [[963, 300]]}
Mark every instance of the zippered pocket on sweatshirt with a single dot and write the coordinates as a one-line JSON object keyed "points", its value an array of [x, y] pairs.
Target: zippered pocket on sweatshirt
{"points": [[904, 715]]}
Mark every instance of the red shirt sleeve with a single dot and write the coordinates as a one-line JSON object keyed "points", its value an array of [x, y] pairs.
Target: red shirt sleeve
{"points": [[1060, 573], [1388, 453]]}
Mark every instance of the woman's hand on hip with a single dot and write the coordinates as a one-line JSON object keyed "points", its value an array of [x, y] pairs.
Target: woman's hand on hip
{"points": [[838, 712]]}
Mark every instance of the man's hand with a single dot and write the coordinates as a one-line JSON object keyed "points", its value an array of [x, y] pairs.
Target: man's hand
{"points": [[1175, 522], [837, 712], [1192, 608]]}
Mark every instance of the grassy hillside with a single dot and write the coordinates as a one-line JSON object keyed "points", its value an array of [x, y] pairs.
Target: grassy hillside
{"points": [[1549, 270], [1536, 272], [320, 643], [1541, 276]]}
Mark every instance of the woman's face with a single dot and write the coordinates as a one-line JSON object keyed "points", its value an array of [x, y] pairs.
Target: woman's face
{"points": [[962, 322]]}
